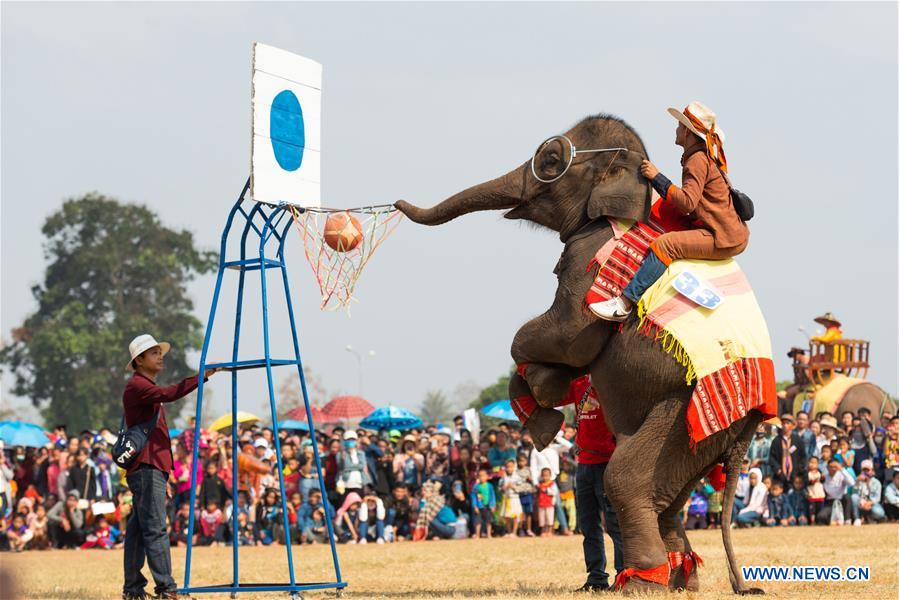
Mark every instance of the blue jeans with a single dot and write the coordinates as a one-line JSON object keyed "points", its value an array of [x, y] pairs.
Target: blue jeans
{"points": [[738, 506], [145, 536], [379, 529], [400, 529], [648, 273], [591, 504], [442, 530], [561, 517], [747, 518]]}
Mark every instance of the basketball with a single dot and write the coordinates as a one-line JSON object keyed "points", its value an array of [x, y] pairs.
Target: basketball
{"points": [[343, 232]]}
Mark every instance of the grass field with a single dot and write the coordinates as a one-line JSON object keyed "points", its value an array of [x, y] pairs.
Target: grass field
{"points": [[497, 568]]}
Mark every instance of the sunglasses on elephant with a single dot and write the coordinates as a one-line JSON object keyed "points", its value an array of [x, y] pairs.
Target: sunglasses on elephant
{"points": [[555, 155]]}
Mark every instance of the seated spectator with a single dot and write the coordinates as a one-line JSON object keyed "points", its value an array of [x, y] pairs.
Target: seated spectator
{"points": [[40, 529], [836, 485], [317, 528], [103, 536], [18, 534], [796, 497], [67, 522], [483, 502], [294, 505], [212, 525], [371, 514], [432, 505], [347, 521], [178, 533], [696, 515], [741, 496], [891, 497], [245, 531], [866, 499], [268, 518], [779, 509], [461, 505], [757, 505], [547, 494], [399, 510]]}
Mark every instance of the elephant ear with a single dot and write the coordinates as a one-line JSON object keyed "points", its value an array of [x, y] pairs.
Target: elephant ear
{"points": [[621, 198]]}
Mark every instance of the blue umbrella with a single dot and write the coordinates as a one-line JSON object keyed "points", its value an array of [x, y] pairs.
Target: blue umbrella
{"points": [[293, 424], [390, 417], [19, 433], [175, 432], [501, 409]]}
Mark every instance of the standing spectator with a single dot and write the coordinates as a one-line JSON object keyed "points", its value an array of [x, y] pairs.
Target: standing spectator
{"points": [[836, 485], [868, 492], [806, 435], [483, 502], [814, 493], [525, 491], [500, 452], [786, 456], [511, 507], [408, 465], [352, 465], [547, 493], [81, 476], [796, 497], [213, 488], [891, 446], [760, 450]]}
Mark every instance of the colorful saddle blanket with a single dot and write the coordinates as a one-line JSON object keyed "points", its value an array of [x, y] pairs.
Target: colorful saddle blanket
{"points": [[726, 350]]}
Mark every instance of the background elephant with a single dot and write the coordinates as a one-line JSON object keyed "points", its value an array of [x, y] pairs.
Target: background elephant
{"points": [[642, 390]]}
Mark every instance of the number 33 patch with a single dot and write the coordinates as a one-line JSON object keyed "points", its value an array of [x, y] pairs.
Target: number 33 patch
{"points": [[704, 294]]}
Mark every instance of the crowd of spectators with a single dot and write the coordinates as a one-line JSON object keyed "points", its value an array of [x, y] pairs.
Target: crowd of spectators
{"points": [[434, 482]]}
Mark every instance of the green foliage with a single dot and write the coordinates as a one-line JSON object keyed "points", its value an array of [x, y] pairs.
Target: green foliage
{"points": [[435, 408], [782, 385], [114, 272], [494, 391]]}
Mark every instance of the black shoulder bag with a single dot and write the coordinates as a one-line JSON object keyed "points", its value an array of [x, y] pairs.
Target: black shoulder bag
{"points": [[742, 203], [131, 442]]}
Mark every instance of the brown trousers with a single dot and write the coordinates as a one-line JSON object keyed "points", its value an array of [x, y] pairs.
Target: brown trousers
{"points": [[697, 244]]}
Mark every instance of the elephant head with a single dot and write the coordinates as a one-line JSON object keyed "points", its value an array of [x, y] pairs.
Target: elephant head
{"points": [[602, 180]]}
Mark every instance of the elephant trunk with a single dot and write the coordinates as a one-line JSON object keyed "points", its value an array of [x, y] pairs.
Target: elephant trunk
{"points": [[503, 192]]}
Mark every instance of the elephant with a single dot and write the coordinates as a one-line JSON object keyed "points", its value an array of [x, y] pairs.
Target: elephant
{"points": [[642, 389]]}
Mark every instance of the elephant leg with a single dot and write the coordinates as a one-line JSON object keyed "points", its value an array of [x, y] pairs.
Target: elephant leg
{"points": [[549, 382], [630, 484], [542, 423], [671, 528]]}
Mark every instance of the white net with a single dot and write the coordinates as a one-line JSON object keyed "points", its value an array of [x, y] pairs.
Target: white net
{"points": [[337, 270]]}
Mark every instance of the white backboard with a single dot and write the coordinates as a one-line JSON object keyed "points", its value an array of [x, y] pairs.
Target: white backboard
{"points": [[285, 156]]}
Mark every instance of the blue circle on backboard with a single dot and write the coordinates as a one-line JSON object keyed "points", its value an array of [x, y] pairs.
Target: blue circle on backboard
{"points": [[287, 132]]}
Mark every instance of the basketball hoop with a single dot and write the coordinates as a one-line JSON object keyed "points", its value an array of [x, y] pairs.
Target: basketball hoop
{"points": [[336, 266]]}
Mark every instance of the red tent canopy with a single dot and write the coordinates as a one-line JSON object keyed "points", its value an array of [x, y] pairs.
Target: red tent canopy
{"points": [[345, 408], [318, 415]]}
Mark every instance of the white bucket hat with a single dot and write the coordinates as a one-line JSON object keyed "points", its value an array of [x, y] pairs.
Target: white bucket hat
{"points": [[701, 114], [141, 344]]}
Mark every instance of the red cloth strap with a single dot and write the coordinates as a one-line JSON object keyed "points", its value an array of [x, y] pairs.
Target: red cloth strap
{"points": [[690, 561], [659, 574], [717, 477]]}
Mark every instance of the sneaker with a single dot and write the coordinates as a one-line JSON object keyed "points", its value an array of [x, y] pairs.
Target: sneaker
{"points": [[611, 310], [589, 588], [857, 522], [363, 541], [380, 540], [171, 595], [388, 533]]}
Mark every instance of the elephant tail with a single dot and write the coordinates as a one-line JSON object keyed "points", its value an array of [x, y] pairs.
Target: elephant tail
{"points": [[733, 460]]}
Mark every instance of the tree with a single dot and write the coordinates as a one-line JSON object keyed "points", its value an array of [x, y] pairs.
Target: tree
{"points": [[114, 272], [435, 408], [493, 392], [290, 393]]}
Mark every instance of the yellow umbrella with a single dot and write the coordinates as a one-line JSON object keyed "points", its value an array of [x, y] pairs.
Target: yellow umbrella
{"points": [[224, 422]]}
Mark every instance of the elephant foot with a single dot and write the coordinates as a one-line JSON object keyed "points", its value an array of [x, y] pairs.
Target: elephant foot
{"points": [[684, 574], [637, 586], [544, 424], [751, 591], [653, 580], [679, 582]]}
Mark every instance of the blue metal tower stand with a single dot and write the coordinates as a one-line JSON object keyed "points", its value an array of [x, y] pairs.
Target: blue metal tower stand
{"points": [[269, 225]]}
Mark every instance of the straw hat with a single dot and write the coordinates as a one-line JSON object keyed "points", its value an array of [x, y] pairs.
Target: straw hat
{"points": [[701, 114], [828, 320], [141, 344], [830, 421]]}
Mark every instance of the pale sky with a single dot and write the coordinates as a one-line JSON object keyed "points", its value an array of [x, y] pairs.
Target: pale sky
{"points": [[149, 103]]}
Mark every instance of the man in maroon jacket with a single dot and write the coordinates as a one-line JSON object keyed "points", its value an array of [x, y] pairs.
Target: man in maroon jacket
{"points": [[148, 477]]}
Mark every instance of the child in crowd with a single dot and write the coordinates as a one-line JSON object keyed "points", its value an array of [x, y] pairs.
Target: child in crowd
{"points": [[317, 532], [212, 528], [798, 501], [399, 511], [348, 518], [371, 516], [547, 492], [104, 536], [511, 508], [716, 505], [525, 491], [245, 534], [268, 516], [483, 501], [178, 533], [565, 483], [697, 509], [757, 504], [40, 529], [18, 534], [814, 492], [779, 510]]}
